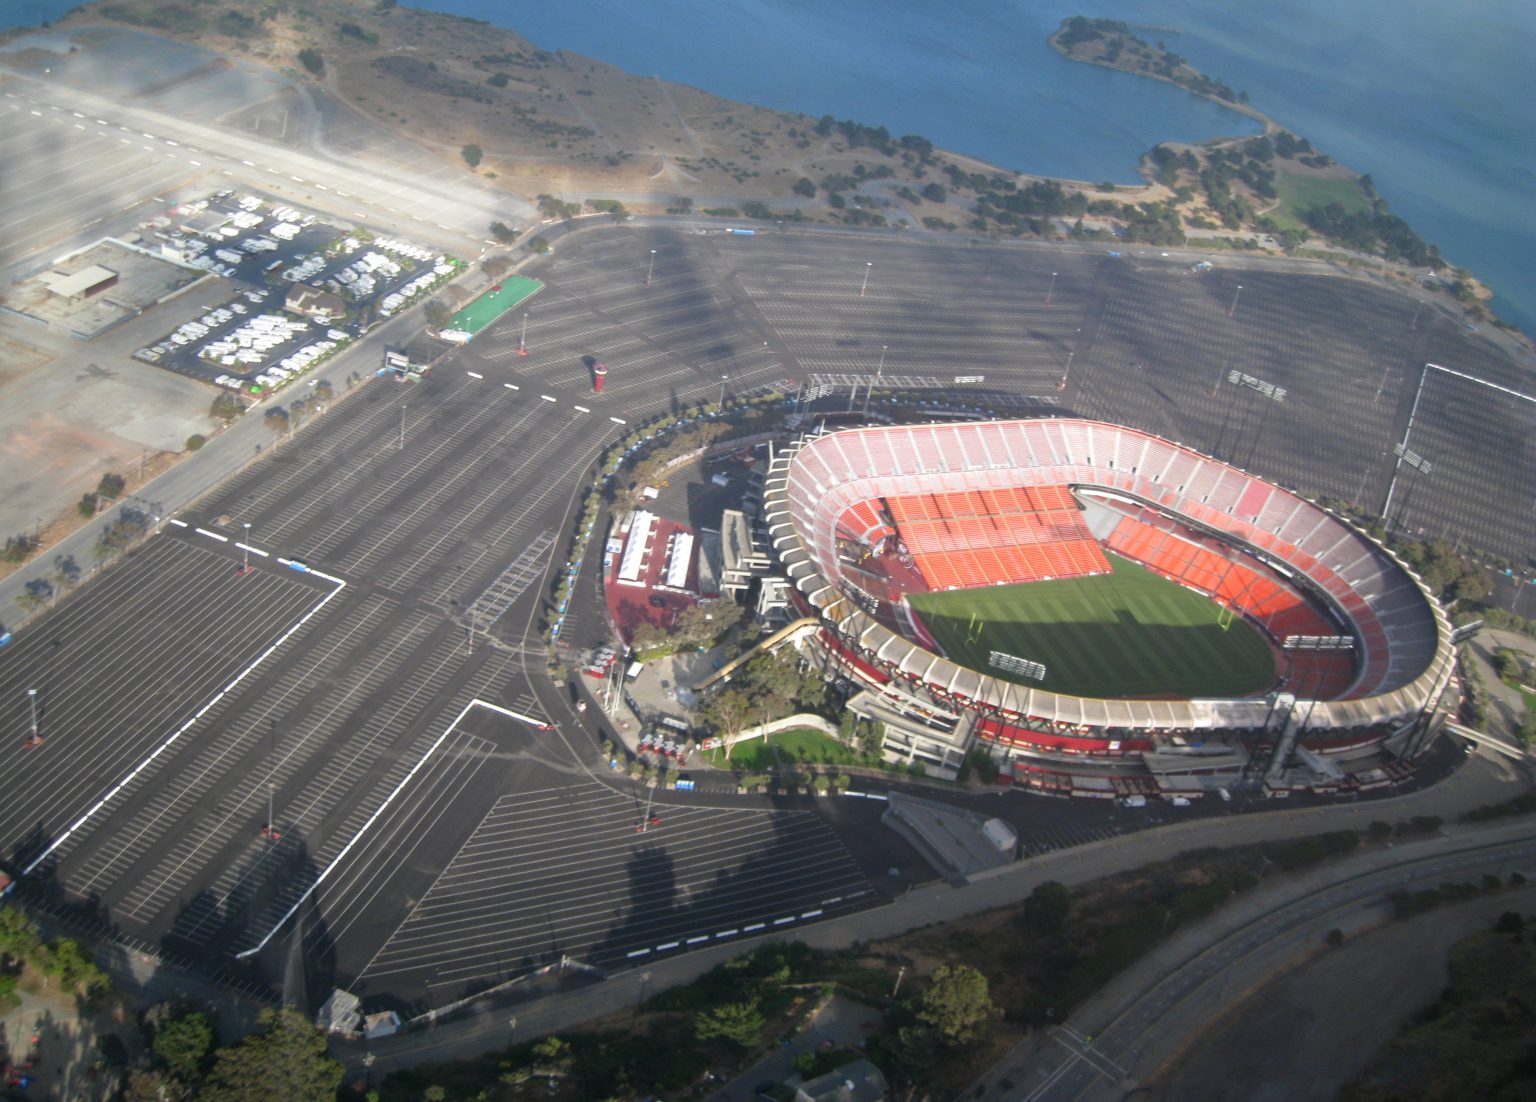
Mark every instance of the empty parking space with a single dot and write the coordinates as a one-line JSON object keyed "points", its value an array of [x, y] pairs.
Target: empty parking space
{"points": [[99, 666], [567, 870]]}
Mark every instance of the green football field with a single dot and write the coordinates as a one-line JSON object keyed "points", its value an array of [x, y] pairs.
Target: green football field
{"points": [[1123, 634]]}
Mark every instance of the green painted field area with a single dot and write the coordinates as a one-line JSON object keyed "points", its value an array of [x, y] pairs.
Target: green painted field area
{"points": [[515, 290], [1302, 193], [1128, 633]]}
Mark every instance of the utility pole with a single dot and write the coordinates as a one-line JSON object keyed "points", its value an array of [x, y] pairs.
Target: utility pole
{"points": [[36, 739]]}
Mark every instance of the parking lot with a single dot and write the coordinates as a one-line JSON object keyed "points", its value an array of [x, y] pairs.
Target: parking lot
{"points": [[307, 288], [425, 499]]}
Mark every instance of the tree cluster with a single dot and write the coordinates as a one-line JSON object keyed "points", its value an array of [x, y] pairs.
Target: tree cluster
{"points": [[1372, 231]]}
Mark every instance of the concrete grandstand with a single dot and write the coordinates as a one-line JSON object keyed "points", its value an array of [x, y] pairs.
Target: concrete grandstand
{"points": [[862, 518]]}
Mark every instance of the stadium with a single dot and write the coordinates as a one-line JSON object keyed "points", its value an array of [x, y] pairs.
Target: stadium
{"points": [[1106, 611]]}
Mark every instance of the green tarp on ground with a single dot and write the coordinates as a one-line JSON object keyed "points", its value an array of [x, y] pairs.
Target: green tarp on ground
{"points": [[510, 293]]}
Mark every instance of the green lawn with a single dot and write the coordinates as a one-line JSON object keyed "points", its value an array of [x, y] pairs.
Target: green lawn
{"points": [[799, 744], [1300, 193], [1124, 634]]}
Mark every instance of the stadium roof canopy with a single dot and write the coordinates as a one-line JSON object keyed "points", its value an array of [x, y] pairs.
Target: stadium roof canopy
{"points": [[1403, 634]]}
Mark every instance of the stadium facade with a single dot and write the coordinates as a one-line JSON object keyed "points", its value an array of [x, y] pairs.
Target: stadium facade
{"points": [[858, 518]]}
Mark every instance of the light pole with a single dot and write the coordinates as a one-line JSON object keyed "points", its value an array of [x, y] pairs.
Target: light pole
{"points": [[245, 565], [648, 272], [868, 264], [1066, 371], [522, 341], [1233, 308], [402, 429], [1051, 289], [879, 371], [36, 739], [722, 393]]}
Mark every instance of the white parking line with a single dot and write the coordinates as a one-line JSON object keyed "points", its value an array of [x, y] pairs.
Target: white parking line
{"points": [[727, 933], [696, 940], [668, 945], [811, 914], [211, 535], [511, 386], [474, 374], [252, 550], [618, 420], [637, 953], [581, 409], [112, 792], [782, 921], [754, 926], [178, 523], [249, 164], [547, 398]]}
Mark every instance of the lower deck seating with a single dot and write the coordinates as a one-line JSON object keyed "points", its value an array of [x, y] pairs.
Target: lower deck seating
{"points": [[985, 537]]}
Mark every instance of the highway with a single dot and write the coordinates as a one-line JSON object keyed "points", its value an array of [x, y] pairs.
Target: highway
{"points": [[1125, 1033]]}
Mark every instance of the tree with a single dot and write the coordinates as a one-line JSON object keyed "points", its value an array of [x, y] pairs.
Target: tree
{"points": [[803, 186], [226, 407], [472, 155], [66, 962], [18, 936], [286, 1060], [539, 245], [1046, 909], [152, 1086], [503, 233], [739, 1024], [183, 1046], [111, 486], [956, 1005], [88, 504], [324, 391], [19, 548], [276, 419], [935, 193], [311, 60], [437, 313], [66, 572], [495, 266], [196, 441]]}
